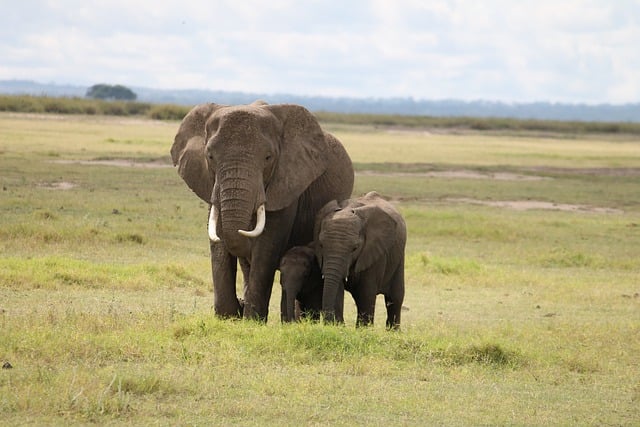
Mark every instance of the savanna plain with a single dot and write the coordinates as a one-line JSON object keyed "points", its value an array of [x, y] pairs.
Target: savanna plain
{"points": [[522, 298]]}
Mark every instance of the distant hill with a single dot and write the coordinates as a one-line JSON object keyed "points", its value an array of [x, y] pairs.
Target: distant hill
{"points": [[401, 106]]}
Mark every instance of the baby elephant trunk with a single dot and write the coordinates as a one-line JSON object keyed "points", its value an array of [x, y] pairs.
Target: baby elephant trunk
{"points": [[332, 294], [290, 298]]}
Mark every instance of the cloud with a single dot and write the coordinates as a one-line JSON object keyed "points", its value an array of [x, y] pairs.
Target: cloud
{"points": [[576, 51]]}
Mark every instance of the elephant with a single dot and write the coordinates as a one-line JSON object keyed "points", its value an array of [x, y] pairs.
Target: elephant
{"points": [[301, 282], [360, 246], [264, 170]]}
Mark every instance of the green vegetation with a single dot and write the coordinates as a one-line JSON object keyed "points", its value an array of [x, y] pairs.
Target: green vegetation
{"points": [[104, 91], [480, 124], [44, 104], [58, 105], [514, 316]]}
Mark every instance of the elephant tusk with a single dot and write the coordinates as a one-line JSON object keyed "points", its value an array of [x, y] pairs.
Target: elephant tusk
{"points": [[260, 221], [211, 228]]}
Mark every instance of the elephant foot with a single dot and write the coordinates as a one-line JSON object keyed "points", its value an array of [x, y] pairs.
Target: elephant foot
{"points": [[250, 312], [229, 311]]}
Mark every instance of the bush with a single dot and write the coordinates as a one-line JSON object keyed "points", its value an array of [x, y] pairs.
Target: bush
{"points": [[168, 112], [20, 104], [137, 108], [63, 106], [114, 108]]}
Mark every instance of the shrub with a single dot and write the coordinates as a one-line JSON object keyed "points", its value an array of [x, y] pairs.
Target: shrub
{"points": [[168, 112]]}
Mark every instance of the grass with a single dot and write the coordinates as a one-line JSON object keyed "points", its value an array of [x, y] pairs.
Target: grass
{"points": [[512, 317]]}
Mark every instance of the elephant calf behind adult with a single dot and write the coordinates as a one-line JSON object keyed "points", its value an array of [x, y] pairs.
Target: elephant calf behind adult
{"points": [[265, 170], [301, 282]]}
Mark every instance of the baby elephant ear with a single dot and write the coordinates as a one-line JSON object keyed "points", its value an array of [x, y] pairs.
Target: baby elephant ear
{"points": [[380, 236], [302, 158], [187, 151], [329, 207]]}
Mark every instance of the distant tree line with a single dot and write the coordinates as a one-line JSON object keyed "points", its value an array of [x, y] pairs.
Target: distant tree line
{"points": [[78, 105], [617, 113], [105, 91]]}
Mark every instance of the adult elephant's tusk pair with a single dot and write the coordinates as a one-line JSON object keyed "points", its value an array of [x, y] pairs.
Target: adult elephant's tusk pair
{"points": [[259, 228]]}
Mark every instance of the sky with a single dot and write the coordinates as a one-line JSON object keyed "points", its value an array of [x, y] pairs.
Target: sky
{"points": [[575, 51]]}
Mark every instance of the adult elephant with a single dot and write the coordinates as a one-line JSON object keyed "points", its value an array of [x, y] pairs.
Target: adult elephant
{"points": [[265, 171]]}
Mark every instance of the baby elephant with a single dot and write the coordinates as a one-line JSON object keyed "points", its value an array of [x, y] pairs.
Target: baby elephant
{"points": [[360, 245], [301, 282]]}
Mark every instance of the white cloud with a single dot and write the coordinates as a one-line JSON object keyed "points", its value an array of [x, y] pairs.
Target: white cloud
{"points": [[570, 50]]}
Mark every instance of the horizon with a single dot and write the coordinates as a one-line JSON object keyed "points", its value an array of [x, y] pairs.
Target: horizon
{"points": [[60, 86]]}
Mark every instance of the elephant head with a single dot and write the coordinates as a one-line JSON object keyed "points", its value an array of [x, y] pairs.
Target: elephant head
{"points": [[245, 160], [350, 238], [298, 271]]}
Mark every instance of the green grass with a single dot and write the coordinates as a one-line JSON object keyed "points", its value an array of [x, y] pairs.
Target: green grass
{"points": [[511, 317]]}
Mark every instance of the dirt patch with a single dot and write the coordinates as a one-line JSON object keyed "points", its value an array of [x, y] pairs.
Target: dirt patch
{"points": [[461, 174], [525, 205], [115, 162], [64, 185]]}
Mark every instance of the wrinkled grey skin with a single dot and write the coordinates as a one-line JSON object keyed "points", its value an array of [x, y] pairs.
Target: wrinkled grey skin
{"points": [[362, 241], [236, 158], [301, 282]]}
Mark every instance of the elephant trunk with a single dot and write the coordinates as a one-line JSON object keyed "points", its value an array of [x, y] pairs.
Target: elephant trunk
{"points": [[212, 227], [291, 305], [239, 198], [333, 289], [261, 218]]}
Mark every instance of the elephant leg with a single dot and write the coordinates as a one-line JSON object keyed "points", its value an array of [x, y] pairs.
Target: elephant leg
{"points": [[366, 313], [313, 302], [394, 308], [245, 267], [224, 269], [258, 292], [265, 258], [393, 298], [300, 310], [340, 305], [283, 307], [366, 305]]}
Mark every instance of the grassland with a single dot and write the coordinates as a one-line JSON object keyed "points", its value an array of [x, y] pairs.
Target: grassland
{"points": [[514, 315]]}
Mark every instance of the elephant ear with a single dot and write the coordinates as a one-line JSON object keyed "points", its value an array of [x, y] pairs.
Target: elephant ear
{"points": [[379, 235], [302, 158], [329, 207], [187, 151]]}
